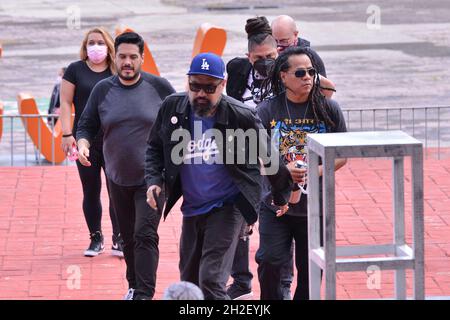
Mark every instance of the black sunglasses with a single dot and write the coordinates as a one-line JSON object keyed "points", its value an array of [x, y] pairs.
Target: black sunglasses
{"points": [[300, 73], [207, 88]]}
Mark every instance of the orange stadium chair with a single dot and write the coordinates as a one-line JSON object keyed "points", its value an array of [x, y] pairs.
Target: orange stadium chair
{"points": [[27, 106], [209, 38]]}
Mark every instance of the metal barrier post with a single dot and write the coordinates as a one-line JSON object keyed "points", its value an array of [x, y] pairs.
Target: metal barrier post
{"points": [[26, 142], [395, 144], [12, 141], [53, 140]]}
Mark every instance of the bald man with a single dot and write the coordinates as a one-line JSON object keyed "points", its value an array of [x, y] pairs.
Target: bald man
{"points": [[285, 32]]}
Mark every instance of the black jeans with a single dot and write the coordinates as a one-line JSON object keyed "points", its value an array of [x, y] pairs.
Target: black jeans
{"points": [[139, 229], [276, 235], [207, 247], [91, 181], [240, 271]]}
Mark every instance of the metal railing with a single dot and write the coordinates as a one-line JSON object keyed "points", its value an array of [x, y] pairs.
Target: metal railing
{"points": [[431, 125], [17, 142]]}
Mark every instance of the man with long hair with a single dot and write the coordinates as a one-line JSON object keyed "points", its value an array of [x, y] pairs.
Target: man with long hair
{"points": [[298, 107]]}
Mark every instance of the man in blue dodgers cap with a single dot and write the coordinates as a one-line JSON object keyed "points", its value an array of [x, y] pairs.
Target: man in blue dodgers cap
{"points": [[208, 147]]}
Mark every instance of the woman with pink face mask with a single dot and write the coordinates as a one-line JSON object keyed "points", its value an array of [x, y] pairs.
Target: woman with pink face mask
{"points": [[95, 64]]}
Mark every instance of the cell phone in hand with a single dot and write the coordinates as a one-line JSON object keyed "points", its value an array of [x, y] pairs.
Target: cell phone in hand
{"points": [[159, 201]]}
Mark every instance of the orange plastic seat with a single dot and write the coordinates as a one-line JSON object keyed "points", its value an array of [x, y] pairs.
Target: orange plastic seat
{"points": [[209, 38], [27, 106]]}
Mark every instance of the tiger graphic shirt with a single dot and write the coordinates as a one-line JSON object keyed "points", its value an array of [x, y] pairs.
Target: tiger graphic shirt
{"points": [[289, 123]]}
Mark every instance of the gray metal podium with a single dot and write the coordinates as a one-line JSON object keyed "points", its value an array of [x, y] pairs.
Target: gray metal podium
{"points": [[332, 259]]}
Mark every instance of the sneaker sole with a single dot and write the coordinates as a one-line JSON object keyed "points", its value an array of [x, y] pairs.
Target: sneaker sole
{"points": [[117, 253], [89, 253], [246, 296]]}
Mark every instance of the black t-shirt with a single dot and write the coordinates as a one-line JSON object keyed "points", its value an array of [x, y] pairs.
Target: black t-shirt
{"points": [[290, 123], [84, 79]]}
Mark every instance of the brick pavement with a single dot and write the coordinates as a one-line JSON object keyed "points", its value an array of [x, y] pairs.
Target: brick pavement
{"points": [[43, 233]]}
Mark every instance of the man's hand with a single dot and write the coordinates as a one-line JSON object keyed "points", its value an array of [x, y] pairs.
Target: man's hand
{"points": [[150, 198], [83, 155], [83, 152], [282, 210], [298, 175]]}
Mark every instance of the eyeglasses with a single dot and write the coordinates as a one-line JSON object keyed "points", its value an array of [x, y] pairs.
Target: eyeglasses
{"points": [[284, 43], [300, 73], [207, 88]]}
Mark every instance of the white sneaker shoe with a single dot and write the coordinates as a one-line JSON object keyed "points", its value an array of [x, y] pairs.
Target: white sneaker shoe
{"points": [[117, 246], [129, 295]]}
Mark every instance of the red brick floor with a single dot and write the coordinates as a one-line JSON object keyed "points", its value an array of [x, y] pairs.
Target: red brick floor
{"points": [[43, 234]]}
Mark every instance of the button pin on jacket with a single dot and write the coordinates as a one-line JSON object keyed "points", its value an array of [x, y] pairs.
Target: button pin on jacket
{"points": [[174, 120]]}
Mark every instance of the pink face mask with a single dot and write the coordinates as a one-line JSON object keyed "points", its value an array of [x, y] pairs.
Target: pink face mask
{"points": [[97, 53]]}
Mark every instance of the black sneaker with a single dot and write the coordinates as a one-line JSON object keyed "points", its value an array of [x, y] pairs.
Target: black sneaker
{"points": [[237, 293], [117, 246], [96, 247]]}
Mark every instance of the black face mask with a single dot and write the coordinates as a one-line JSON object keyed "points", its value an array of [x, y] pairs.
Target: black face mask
{"points": [[264, 66]]}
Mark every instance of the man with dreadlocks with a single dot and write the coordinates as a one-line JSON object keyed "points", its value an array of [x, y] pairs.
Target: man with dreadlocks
{"points": [[297, 108], [245, 79]]}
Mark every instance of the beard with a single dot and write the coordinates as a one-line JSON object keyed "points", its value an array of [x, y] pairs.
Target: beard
{"points": [[128, 77], [202, 106]]}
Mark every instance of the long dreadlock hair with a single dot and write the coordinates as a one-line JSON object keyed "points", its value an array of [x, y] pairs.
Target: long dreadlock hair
{"points": [[273, 85]]}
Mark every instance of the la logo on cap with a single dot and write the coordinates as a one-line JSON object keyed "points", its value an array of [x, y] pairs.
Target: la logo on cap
{"points": [[205, 65]]}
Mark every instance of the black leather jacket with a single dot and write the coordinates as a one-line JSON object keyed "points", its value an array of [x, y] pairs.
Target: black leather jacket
{"points": [[231, 114], [238, 70]]}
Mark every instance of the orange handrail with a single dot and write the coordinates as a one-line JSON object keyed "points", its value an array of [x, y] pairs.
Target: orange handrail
{"points": [[149, 64], [27, 106], [209, 38]]}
